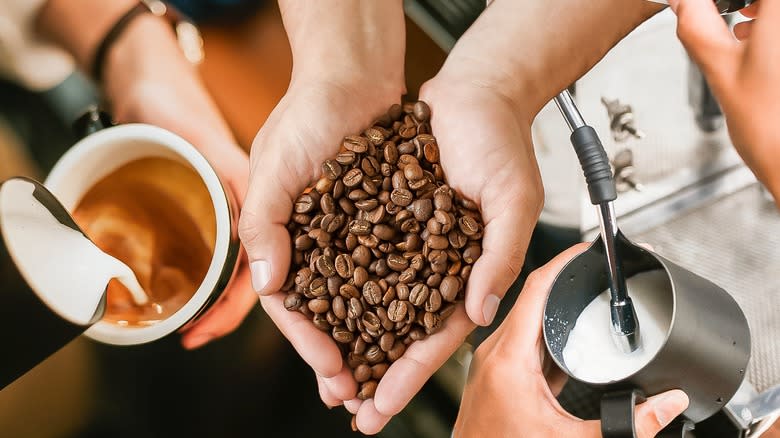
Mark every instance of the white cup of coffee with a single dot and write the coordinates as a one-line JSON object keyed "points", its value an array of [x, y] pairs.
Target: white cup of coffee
{"points": [[152, 199]]}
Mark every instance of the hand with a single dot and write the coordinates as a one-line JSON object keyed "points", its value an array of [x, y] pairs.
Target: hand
{"points": [[344, 77], [148, 80], [743, 76], [512, 385]]}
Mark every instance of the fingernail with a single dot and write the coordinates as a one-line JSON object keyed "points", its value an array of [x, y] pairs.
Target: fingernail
{"points": [[261, 274], [489, 308], [669, 405], [196, 341]]}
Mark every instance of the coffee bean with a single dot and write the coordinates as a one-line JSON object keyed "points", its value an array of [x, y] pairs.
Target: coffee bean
{"points": [[362, 373], [319, 305], [318, 287], [367, 204], [359, 346], [390, 152], [407, 276], [321, 322], [355, 144], [401, 197], [386, 342], [374, 354], [378, 371], [344, 266], [434, 280], [339, 307], [387, 324], [397, 310], [304, 242], [423, 209], [346, 158], [293, 301], [347, 206], [407, 131], [431, 152], [389, 295], [457, 239], [331, 169], [454, 267], [421, 111], [334, 285], [342, 335], [384, 232], [472, 253], [367, 390], [468, 225], [444, 219], [376, 215], [325, 266], [432, 322], [372, 293], [360, 227], [304, 203], [352, 178], [360, 277], [361, 256], [419, 294], [433, 303], [396, 351], [442, 201], [437, 242], [375, 135], [354, 360], [355, 308], [324, 185]]}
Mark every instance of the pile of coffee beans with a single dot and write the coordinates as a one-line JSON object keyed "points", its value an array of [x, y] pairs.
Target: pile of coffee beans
{"points": [[382, 246]]}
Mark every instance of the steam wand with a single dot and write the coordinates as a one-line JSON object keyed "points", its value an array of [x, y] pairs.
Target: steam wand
{"points": [[601, 187]]}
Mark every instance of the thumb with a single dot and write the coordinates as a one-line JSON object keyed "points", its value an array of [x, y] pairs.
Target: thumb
{"points": [[263, 232], [705, 35], [658, 411]]}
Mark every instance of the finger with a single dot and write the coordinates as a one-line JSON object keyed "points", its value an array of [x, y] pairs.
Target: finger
{"points": [[408, 374], [523, 324], [353, 405], [369, 420], [751, 11], [706, 37], [263, 231], [658, 411], [226, 314], [342, 385], [315, 346], [743, 30], [327, 397], [503, 252], [765, 30]]}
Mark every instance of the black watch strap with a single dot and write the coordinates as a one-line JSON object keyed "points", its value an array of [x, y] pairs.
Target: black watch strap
{"points": [[99, 60]]}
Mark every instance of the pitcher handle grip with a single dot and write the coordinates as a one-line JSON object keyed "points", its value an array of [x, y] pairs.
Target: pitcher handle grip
{"points": [[617, 413]]}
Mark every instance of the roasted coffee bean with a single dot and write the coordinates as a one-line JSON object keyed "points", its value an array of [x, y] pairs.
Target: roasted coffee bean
{"points": [[378, 371], [413, 172], [361, 256], [407, 276], [384, 232], [387, 324], [468, 225], [423, 209], [434, 280], [419, 294], [304, 203], [339, 307], [367, 390], [433, 303], [386, 342], [396, 351], [375, 135], [399, 181], [367, 204], [434, 226], [396, 262], [355, 308], [318, 287], [417, 334], [331, 169], [472, 253], [351, 325], [432, 322], [346, 158], [360, 227], [358, 195], [359, 346], [345, 266], [390, 152], [407, 131], [437, 242], [353, 360], [402, 291], [321, 322], [438, 261], [397, 310], [293, 301], [442, 201], [454, 267], [370, 241], [342, 335], [381, 268], [347, 206], [360, 277], [352, 178], [372, 293], [374, 354], [319, 305], [325, 266], [457, 239], [355, 144], [401, 197], [431, 152], [327, 204], [421, 111], [324, 185], [334, 285], [303, 277], [389, 296], [444, 219], [376, 215], [349, 291], [370, 321], [362, 373], [371, 187]]}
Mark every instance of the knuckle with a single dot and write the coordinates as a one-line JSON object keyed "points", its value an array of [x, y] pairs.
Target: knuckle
{"points": [[248, 227]]}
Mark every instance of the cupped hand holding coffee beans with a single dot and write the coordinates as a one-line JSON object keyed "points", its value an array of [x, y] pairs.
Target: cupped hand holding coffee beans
{"points": [[382, 246]]}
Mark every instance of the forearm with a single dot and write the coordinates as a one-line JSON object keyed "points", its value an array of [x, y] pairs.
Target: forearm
{"points": [[347, 40], [531, 50]]}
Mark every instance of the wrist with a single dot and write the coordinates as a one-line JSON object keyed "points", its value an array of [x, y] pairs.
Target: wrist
{"points": [[352, 42]]}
